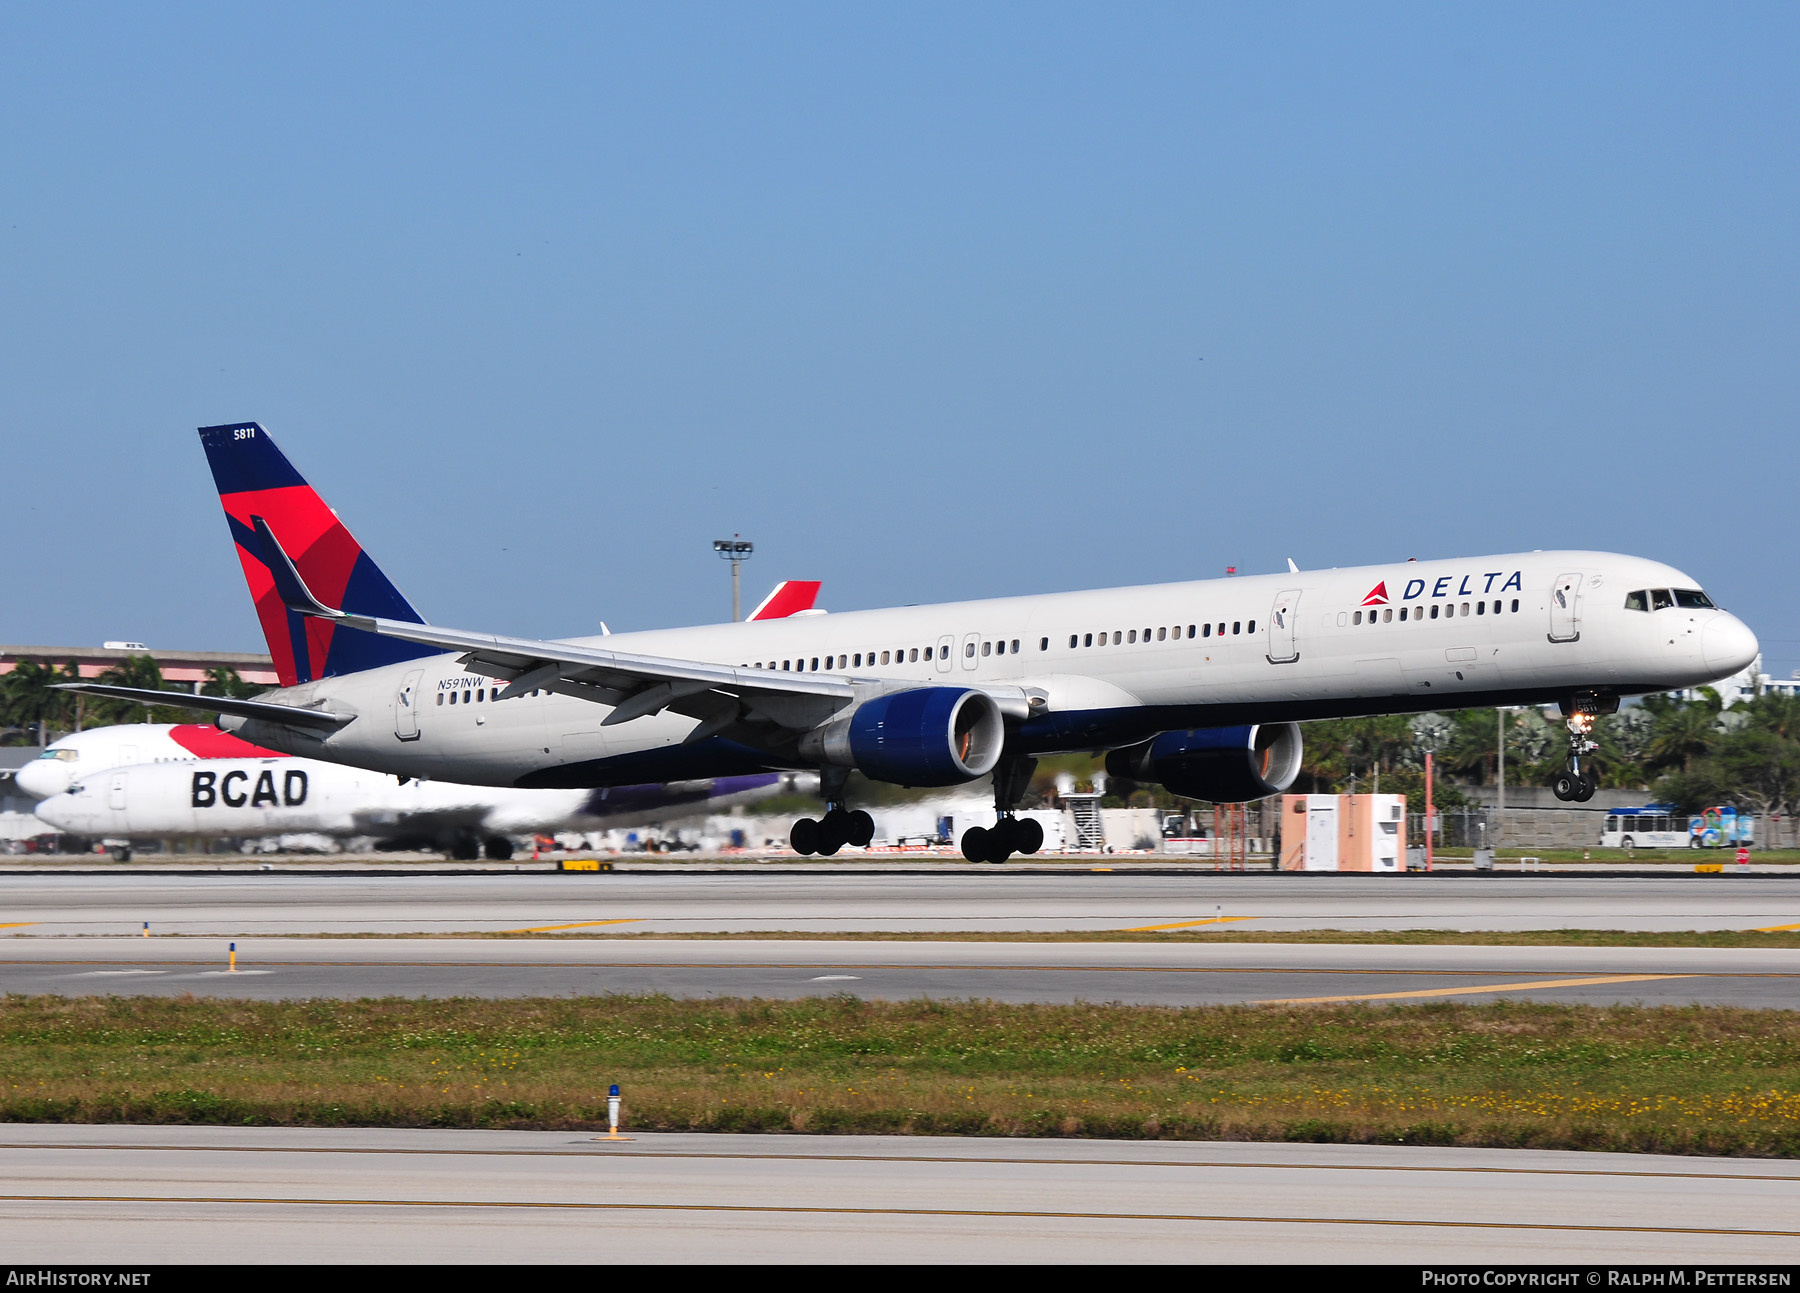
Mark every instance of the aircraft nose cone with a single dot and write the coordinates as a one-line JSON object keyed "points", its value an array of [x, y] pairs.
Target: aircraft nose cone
{"points": [[1728, 645], [60, 811], [42, 778]]}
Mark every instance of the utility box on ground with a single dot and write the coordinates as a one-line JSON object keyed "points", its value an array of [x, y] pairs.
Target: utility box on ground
{"points": [[1342, 832]]}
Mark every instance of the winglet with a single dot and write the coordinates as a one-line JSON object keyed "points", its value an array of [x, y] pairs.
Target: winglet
{"points": [[288, 584], [789, 597]]}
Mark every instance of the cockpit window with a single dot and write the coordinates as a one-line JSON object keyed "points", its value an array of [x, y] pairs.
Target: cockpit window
{"points": [[66, 756], [1660, 599], [1693, 599], [1638, 601]]}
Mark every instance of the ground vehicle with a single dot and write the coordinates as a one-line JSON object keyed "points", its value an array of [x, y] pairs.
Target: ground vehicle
{"points": [[1718, 828], [1654, 826]]}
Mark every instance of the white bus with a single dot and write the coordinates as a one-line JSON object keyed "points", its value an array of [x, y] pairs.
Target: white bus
{"points": [[1654, 826]]}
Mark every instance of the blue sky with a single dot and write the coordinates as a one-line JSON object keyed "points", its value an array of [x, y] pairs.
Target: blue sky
{"points": [[929, 301]]}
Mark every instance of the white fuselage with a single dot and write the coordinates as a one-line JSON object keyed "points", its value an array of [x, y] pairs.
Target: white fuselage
{"points": [[1517, 629], [237, 798]]}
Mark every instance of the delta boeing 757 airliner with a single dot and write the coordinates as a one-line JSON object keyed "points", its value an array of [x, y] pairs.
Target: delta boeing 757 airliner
{"points": [[1197, 686]]}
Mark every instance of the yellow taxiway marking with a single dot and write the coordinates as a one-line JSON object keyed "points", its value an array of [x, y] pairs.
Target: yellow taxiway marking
{"points": [[1775, 929], [1258, 1163], [1489, 987], [20, 924], [580, 924], [649, 1205], [1187, 924]]}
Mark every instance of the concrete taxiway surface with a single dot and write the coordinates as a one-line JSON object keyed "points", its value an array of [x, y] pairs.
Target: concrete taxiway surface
{"points": [[1161, 974], [230, 905], [177, 1194]]}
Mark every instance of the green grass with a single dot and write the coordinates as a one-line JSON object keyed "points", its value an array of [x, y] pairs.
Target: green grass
{"points": [[1689, 1080]]}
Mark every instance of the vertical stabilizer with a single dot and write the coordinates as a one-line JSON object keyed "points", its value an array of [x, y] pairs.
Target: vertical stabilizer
{"points": [[256, 479]]}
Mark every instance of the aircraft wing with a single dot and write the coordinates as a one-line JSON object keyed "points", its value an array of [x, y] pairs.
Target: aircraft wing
{"points": [[635, 685], [267, 711]]}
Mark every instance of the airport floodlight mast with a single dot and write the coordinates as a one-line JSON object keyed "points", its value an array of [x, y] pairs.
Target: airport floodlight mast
{"points": [[737, 551]]}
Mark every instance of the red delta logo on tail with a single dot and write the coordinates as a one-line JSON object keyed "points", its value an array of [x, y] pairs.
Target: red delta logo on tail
{"points": [[256, 479], [1378, 595]]}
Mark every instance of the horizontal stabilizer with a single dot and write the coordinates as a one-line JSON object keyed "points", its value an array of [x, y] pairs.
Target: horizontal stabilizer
{"points": [[266, 711]]}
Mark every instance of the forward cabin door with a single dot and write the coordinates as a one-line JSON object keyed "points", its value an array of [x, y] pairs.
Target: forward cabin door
{"points": [[406, 706], [116, 801], [1565, 609], [945, 646], [1283, 620], [971, 645]]}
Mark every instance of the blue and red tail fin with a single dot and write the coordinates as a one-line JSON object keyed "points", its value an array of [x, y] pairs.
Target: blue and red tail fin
{"points": [[791, 596], [256, 479]]}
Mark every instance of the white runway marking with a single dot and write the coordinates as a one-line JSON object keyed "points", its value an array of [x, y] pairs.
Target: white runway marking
{"points": [[828, 978]]}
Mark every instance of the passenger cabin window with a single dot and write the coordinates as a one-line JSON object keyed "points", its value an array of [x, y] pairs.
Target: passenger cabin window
{"points": [[1515, 606], [1162, 635], [1044, 643], [1693, 599], [1251, 627], [1190, 630], [1236, 626], [440, 698], [915, 653], [1638, 601], [1133, 637], [1089, 641], [884, 657], [1661, 599], [1208, 632], [987, 648]]}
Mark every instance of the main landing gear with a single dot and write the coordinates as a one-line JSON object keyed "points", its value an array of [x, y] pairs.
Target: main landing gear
{"points": [[1009, 834], [838, 827], [1577, 781]]}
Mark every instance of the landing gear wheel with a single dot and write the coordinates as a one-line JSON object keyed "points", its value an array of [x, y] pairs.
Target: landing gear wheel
{"points": [[499, 849], [804, 838], [1584, 789], [465, 850], [1002, 840], [1564, 785], [1028, 835], [833, 832], [859, 828], [975, 844], [120, 854]]}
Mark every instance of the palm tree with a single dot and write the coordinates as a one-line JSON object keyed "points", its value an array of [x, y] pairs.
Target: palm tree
{"points": [[32, 700], [135, 671], [1683, 731]]}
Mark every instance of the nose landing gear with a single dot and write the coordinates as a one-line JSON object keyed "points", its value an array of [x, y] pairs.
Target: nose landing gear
{"points": [[1578, 780], [1009, 834], [839, 826]]}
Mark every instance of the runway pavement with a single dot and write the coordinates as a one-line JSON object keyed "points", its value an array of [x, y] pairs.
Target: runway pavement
{"points": [[1162, 974], [117, 1195], [234, 904]]}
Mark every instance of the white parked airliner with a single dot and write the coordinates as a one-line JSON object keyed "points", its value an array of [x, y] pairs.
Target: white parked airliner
{"points": [[1194, 685], [238, 797]]}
